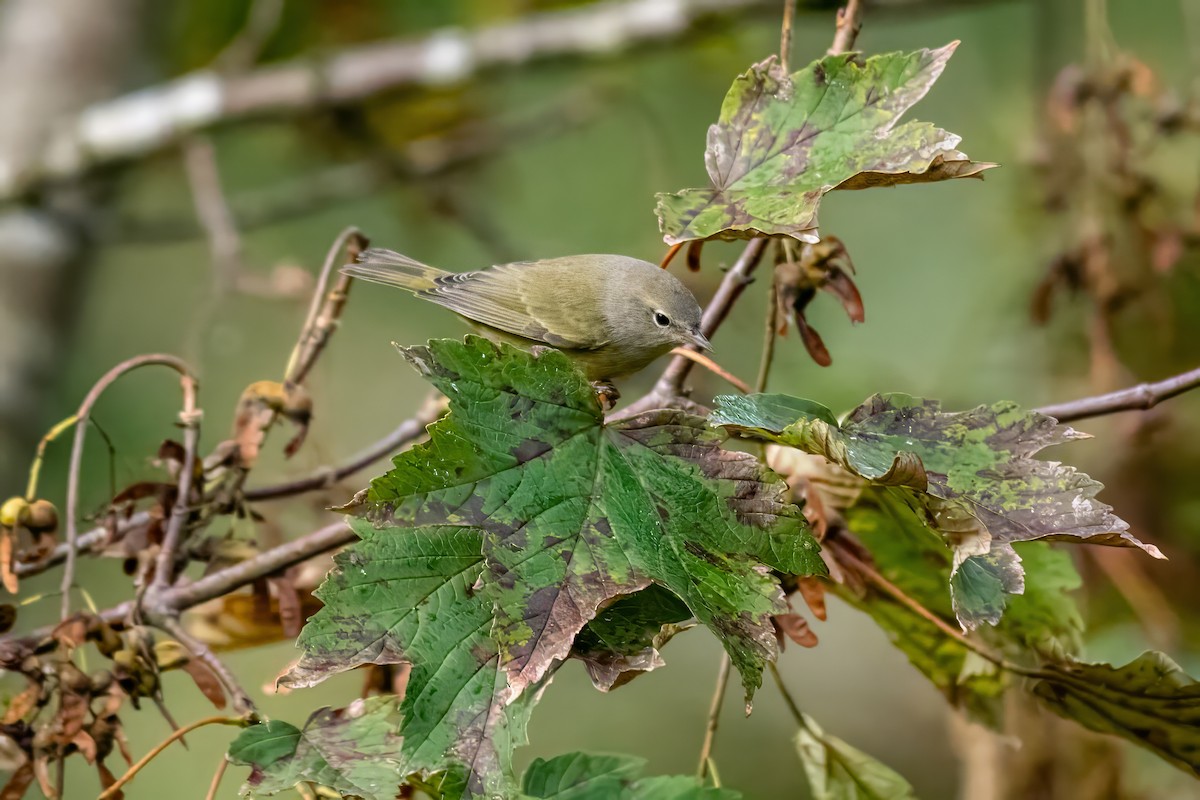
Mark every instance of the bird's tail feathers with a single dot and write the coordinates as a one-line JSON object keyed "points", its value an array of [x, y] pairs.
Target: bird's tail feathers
{"points": [[393, 269]]}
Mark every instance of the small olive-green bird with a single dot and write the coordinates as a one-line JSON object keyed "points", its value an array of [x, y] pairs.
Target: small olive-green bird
{"points": [[611, 314]]}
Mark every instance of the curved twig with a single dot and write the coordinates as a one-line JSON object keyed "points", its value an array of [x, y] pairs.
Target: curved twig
{"points": [[714, 715], [114, 790], [326, 307], [85, 410]]}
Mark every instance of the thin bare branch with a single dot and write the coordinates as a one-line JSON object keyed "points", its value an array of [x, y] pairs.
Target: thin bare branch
{"points": [[788, 700], [229, 682], [266, 563], [176, 599], [405, 433], [189, 419], [770, 331], [81, 426], [213, 212], [222, 765], [326, 307], [670, 385], [714, 715], [262, 20], [785, 34], [155, 117], [849, 23], [1136, 398], [422, 159]]}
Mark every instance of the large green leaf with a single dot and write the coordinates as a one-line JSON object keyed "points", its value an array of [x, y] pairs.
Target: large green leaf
{"points": [[354, 751], [973, 473], [407, 595], [782, 142], [486, 551], [1149, 701], [837, 771], [575, 513], [583, 776]]}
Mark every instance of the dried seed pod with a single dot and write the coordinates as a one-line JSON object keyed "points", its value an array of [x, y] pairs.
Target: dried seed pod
{"points": [[42, 517], [101, 681]]}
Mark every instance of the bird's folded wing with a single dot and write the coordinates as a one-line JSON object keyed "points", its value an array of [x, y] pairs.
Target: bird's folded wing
{"points": [[537, 300]]}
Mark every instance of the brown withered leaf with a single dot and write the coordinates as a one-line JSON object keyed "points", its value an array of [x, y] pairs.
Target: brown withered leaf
{"points": [[7, 576], [813, 592], [72, 715], [261, 402], [290, 604], [22, 703], [86, 745], [206, 681], [796, 628], [107, 779], [71, 632], [41, 770]]}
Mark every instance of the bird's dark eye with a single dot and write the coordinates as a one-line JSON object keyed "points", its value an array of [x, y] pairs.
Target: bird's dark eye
{"points": [[661, 319]]}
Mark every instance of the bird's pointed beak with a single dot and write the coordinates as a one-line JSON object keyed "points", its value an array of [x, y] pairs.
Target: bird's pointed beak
{"points": [[700, 340]]}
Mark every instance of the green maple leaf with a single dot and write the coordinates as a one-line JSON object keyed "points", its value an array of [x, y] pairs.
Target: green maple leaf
{"points": [[972, 472], [354, 751], [782, 142], [575, 513], [486, 551]]}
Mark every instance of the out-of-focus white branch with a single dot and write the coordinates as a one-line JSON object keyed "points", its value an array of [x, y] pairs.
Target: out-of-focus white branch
{"points": [[133, 125]]}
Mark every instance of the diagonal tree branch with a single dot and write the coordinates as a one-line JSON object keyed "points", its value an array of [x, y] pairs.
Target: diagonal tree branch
{"points": [[1142, 397], [159, 116]]}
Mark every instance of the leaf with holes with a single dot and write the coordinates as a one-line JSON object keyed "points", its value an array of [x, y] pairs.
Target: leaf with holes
{"points": [[783, 141], [972, 472], [354, 751]]}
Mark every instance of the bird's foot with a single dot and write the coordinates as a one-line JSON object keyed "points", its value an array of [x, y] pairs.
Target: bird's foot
{"points": [[607, 394]]}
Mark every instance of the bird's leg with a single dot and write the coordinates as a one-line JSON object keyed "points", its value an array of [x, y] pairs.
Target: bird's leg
{"points": [[607, 394]]}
